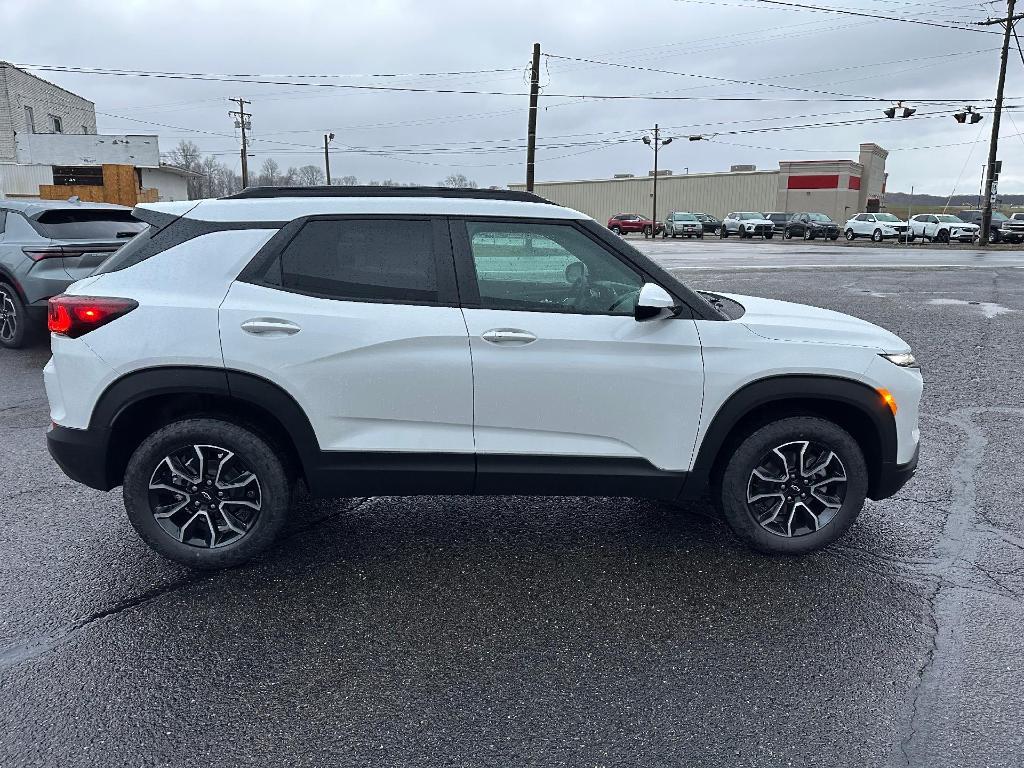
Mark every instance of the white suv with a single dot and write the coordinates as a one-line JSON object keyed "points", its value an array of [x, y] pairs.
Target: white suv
{"points": [[417, 341], [747, 224]]}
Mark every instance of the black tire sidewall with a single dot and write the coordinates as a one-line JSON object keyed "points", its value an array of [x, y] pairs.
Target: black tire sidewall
{"points": [[251, 449], [731, 488], [22, 333]]}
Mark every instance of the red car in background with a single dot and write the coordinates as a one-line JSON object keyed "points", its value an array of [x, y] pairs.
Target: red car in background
{"points": [[624, 223]]}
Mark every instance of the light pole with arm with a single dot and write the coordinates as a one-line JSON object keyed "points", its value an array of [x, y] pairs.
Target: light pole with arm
{"points": [[655, 142]]}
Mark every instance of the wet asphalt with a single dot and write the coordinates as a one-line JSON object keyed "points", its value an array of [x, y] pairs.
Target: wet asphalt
{"points": [[455, 631]]}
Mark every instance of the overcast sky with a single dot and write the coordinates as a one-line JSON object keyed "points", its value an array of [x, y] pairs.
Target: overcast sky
{"points": [[579, 137]]}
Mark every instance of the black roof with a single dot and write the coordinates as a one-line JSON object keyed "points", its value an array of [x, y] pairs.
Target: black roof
{"points": [[340, 191]]}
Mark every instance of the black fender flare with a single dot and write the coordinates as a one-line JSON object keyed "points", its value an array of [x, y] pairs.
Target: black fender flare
{"points": [[248, 388], [810, 392]]}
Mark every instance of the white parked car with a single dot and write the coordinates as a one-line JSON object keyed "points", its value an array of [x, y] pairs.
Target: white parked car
{"points": [[943, 227], [877, 226], [747, 224], [371, 340]]}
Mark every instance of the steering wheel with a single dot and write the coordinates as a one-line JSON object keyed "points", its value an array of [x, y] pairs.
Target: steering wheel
{"points": [[633, 294]]}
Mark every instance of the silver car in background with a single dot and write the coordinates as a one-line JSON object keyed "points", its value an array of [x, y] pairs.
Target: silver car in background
{"points": [[45, 245]]}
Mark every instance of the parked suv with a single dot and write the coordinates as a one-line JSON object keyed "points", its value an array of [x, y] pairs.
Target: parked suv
{"points": [[812, 225], [409, 341], [624, 223], [681, 224], [1002, 230], [44, 247], [747, 224], [779, 219], [943, 227], [877, 226]]}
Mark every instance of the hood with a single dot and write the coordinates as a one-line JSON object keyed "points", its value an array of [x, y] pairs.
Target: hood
{"points": [[786, 321]]}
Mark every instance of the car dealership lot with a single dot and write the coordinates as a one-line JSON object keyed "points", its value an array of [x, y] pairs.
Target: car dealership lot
{"points": [[468, 631]]}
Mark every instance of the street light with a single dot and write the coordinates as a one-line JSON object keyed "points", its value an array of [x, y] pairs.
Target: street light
{"points": [[328, 137], [656, 142]]}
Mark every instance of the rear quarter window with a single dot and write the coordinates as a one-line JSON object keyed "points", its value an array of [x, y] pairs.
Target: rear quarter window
{"points": [[71, 224]]}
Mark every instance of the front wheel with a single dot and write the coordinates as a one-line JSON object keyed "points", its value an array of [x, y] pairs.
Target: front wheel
{"points": [[206, 493], [793, 486], [616, 231], [647, 232], [850, 235], [723, 232], [876, 236]]}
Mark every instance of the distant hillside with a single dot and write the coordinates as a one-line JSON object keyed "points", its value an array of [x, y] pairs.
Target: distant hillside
{"points": [[902, 200]]}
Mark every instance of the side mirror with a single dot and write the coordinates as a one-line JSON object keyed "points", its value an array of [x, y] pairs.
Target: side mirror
{"points": [[653, 302]]}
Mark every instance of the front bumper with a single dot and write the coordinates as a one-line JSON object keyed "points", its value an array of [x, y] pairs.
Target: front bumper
{"points": [[81, 454], [894, 476]]}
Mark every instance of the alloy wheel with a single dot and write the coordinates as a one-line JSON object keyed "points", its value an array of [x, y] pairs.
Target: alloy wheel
{"points": [[8, 317], [204, 496], [797, 488]]}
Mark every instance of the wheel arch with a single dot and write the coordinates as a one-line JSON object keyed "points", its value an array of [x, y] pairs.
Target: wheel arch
{"points": [[853, 405], [137, 404]]}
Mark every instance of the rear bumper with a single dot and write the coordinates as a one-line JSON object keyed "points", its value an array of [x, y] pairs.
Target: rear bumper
{"points": [[81, 454], [894, 476]]}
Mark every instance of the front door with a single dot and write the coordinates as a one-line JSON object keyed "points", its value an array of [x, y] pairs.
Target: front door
{"points": [[560, 366]]}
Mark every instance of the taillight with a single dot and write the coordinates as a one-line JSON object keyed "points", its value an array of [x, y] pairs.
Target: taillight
{"points": [[38, 254], [75, 316]]}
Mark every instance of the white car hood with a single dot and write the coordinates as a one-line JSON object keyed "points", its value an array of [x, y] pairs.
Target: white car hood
{"points": [[786, 321]]}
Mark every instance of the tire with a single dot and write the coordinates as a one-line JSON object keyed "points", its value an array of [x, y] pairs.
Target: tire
{"points": [[737, 483], [251, 534], [833, 237], [851, 235], [700, 235], [617, 231], [664, 234], [787, 235], [723, 232], [876, 236], [16, 330], [769, 236], [943, 236], [648, 231], [808, 235]]}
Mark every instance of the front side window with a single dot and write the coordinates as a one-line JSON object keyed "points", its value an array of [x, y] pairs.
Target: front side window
{"points": [[888, 217], [549, 267], [361, 260]]}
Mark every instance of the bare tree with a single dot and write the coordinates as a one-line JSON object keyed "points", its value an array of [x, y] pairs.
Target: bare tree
{"points": [[310, 175], [188, 157], [270, 173], [346, 181], [458, 181]]}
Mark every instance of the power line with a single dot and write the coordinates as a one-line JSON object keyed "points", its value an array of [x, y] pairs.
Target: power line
{"points": [[849, 12]]}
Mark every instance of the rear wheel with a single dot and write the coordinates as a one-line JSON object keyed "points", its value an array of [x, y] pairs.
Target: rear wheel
{"points": [[206, 493], [723, 232], [616, 230], [15, 328], [808, 235], [793, 486], [647, 231]]}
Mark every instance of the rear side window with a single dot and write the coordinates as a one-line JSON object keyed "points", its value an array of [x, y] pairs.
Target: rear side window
{"points": [[361, 260], [85, 224], [3, 220]]}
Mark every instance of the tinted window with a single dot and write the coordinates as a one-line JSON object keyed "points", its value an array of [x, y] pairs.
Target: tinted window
{"points": [[87, 224], [3, 218], [377, 260], [550, 267]]}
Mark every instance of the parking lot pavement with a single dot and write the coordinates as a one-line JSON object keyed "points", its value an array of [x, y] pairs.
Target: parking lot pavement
{"points": [[757, 253], [507, 631]]}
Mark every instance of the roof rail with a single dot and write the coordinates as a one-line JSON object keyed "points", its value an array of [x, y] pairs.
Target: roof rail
{"points": [[341, 191]]}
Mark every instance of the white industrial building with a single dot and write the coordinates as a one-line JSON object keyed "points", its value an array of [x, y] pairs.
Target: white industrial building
{"points": [[839, 188], [44, 126]]}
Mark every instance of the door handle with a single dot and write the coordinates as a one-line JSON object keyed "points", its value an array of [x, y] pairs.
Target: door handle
{"points": [[270, 326], [508, 336]]}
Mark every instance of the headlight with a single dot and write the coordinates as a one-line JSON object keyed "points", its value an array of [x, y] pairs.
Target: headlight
{"points": [[902, 359]]}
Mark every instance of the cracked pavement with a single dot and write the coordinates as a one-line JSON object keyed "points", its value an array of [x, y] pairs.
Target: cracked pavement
{"points": [[507, 631]]}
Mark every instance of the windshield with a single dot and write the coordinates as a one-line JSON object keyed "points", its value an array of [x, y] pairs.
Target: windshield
{"points": [[997, 216], [950, 219], [683, 217], [819, 217], [885, 217], [751, 215], [85, 224]]}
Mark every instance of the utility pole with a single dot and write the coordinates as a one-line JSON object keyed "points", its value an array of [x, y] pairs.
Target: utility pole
{"points": [[328, 137], [242, 123], [993, 146], [531, 133], [655, 142]]}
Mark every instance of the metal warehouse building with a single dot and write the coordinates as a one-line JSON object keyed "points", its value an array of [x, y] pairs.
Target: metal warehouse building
{"points": [[839, 188]]}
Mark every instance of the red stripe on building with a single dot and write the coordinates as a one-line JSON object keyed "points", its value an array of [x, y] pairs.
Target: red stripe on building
{"points": [[855, 182], [814, 182]]}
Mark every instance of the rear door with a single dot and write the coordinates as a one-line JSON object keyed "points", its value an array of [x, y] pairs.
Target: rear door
{"points": [[357, 318], [560, 366]]}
